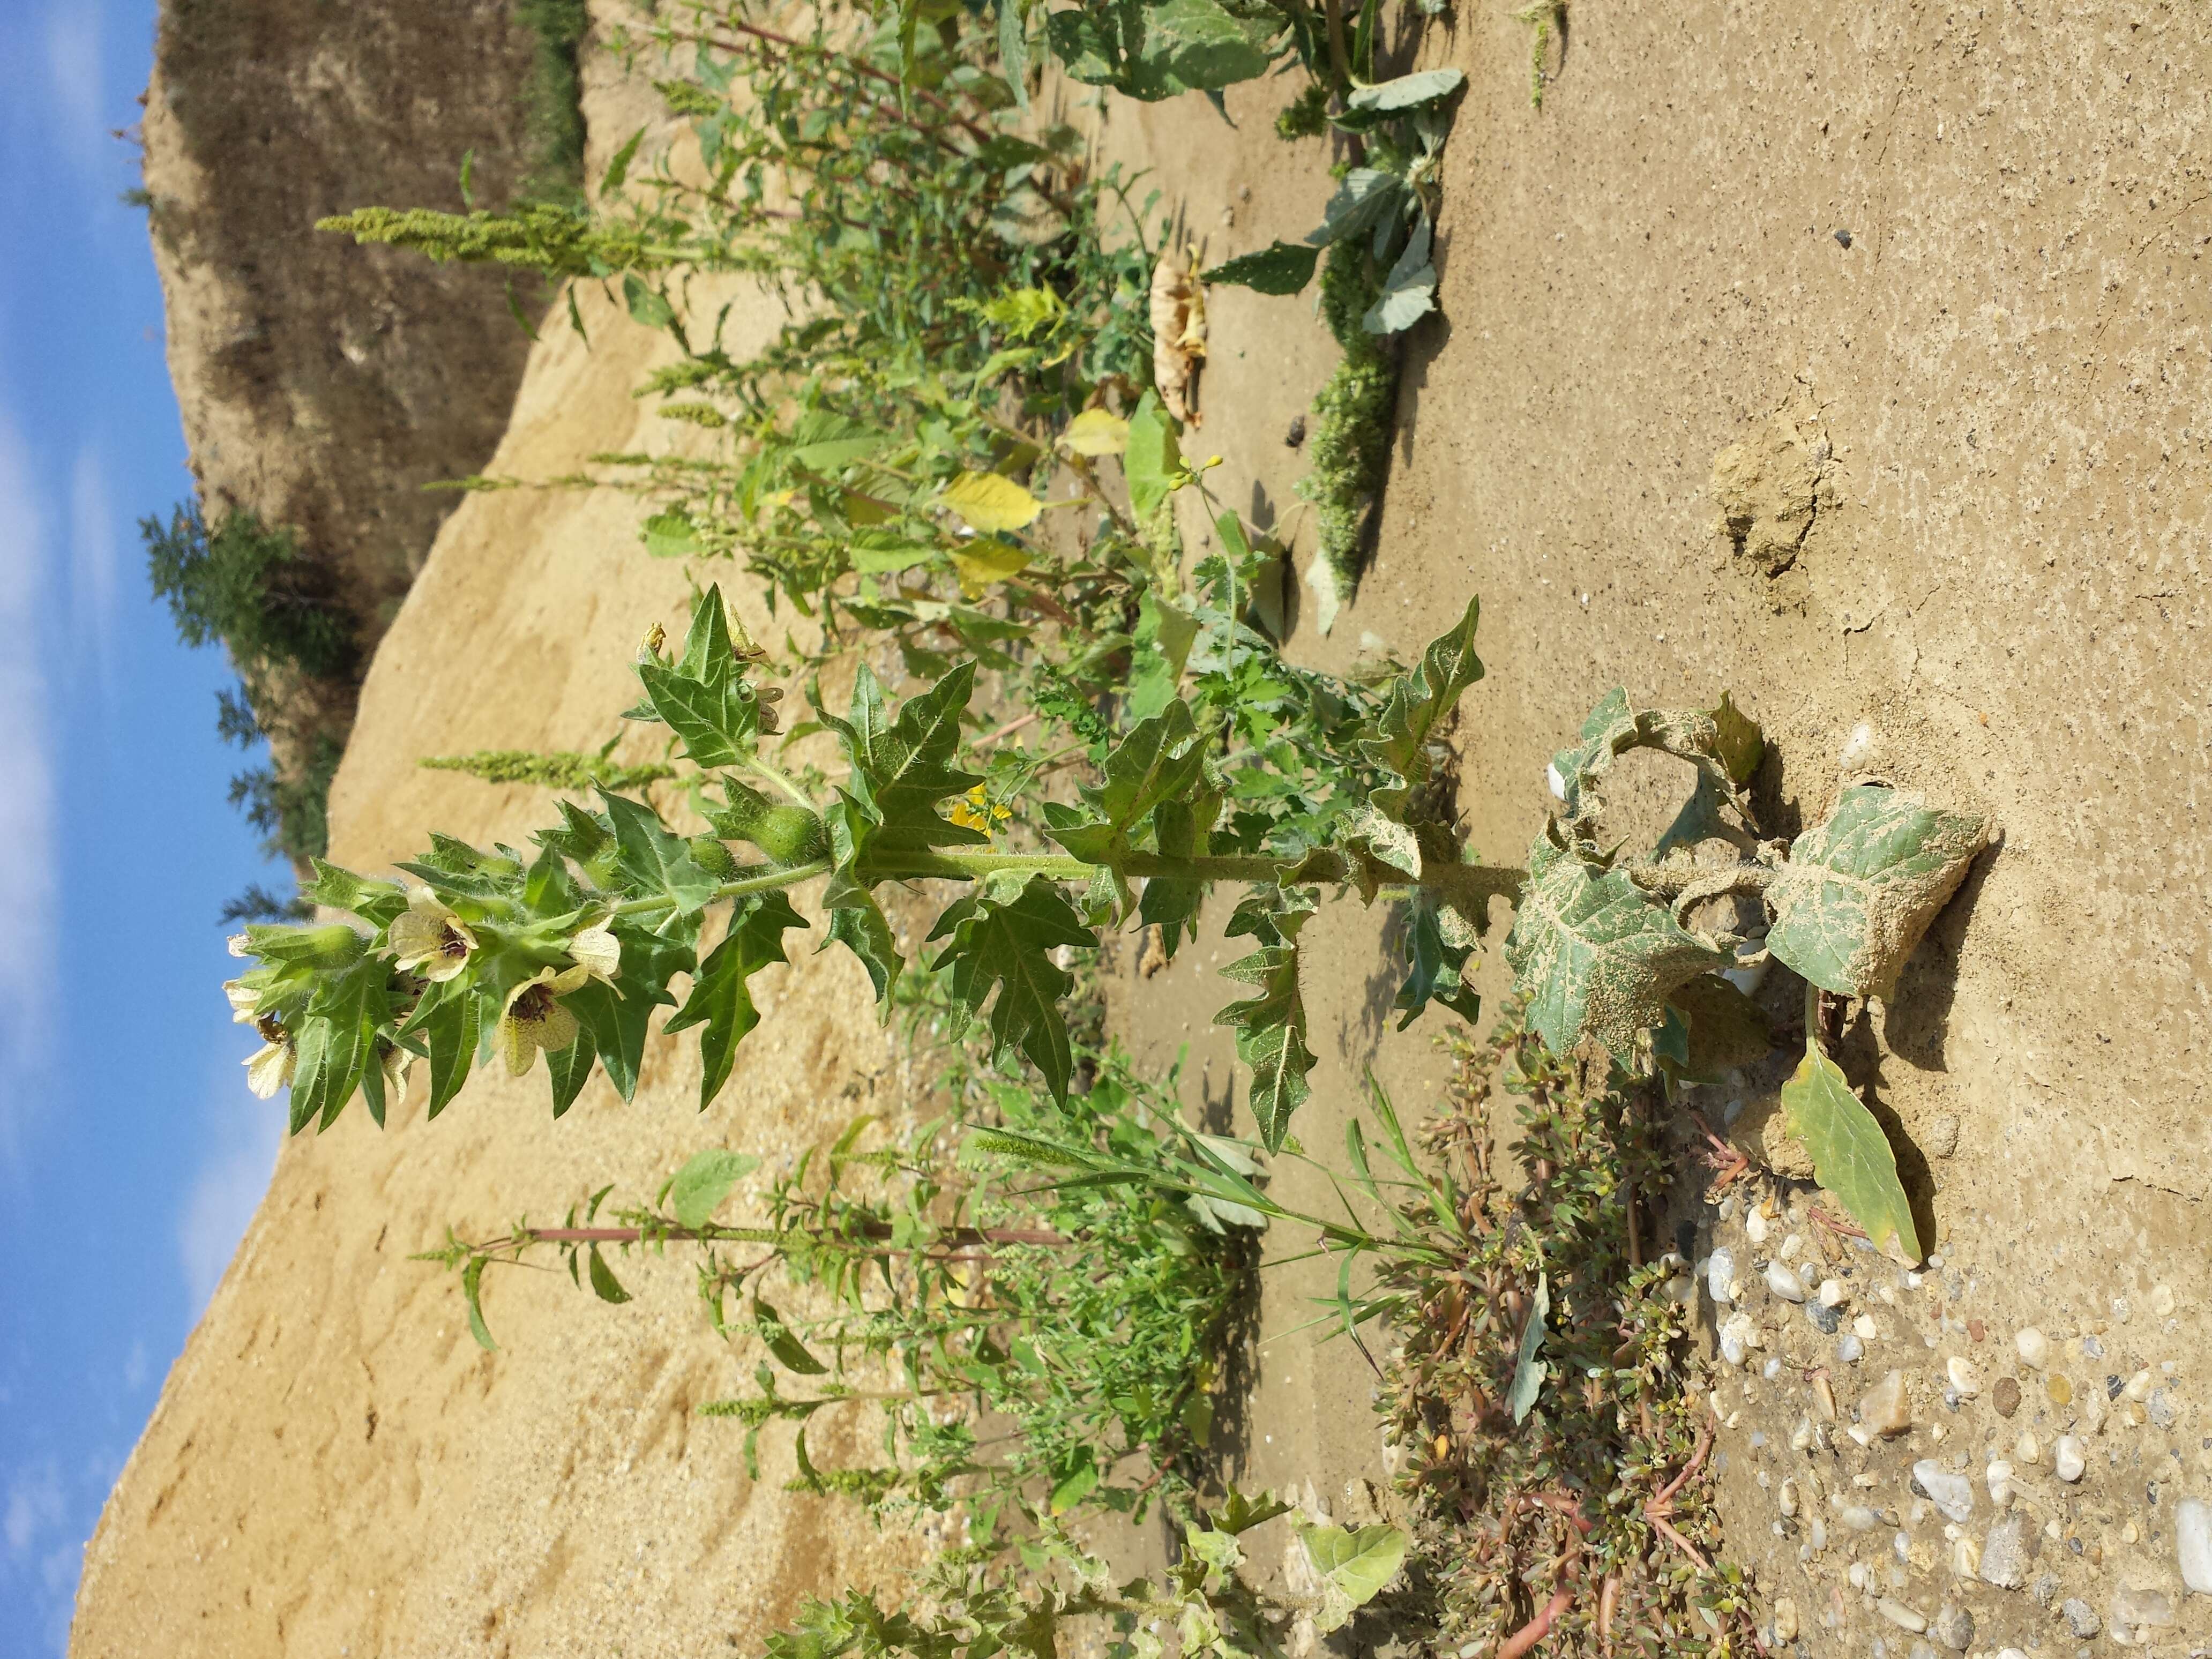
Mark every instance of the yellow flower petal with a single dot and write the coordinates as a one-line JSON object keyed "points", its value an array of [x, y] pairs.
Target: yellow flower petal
{"points": [[515, 1047], [269, 1068], [244, 1001], [598, 952], [556, 1031]]}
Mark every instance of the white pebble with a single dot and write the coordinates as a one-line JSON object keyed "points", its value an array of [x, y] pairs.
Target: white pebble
{"points": [[1785, 1283], [1864, 1328], [1833, 1293], [1849, 1347], [1790, 1247], [2026, 1450], [2192, 1532], [2161, 1300], [1900, 1615], [1952, 1493], [1962, 1376], [2034, 1348], [1857, 747], [2069, 1460], [2138, 1387], [1738, 1335], [1801, 1437], [1720, 1269], [1789, 1497], [1754, 1227], [1999, 1477]]}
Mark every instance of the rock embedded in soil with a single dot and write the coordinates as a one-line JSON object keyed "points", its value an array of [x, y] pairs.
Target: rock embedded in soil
{"points": [[2006, 1396], [1953, 1626], [2193, 1538], [2070, 1459], [1885, 1409], [1784, 1283], [1963, 1376], [1903, 1617], [2007, 1552], [2080, 1618], [2034, 1348], [2137, 1608], [1720, 1273], [1952, 1493]]}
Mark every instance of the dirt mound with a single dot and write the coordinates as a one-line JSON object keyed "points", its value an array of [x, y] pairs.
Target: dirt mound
{"points": [[323, 386]]}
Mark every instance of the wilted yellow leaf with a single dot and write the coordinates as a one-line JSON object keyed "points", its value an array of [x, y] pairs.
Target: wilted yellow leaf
{"points": [[987, 502], [1097, 432], [984, 562]]}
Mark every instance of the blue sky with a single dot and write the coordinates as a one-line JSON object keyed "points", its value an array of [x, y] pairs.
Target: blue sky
{"points": [[130, 1153]]}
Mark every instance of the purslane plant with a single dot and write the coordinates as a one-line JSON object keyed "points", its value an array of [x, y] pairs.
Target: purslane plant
{"points": [[571, 950]]}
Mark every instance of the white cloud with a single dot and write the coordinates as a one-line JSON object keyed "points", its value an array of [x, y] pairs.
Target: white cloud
{"points": [[73, 32], [26, 850], [241, 1135], [92, 566]]}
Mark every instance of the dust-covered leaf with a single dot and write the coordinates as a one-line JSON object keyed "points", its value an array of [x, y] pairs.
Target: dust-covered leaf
{"points": [[1366, 196], [1409, 290], [1851, 1156], [1438, 941], [1353, 1567], [1529, 1371], [1597, 955], [1723, 743], [989, 502], [1416, 705], [1271, 1036], [1861, 888], [1408, 91]]}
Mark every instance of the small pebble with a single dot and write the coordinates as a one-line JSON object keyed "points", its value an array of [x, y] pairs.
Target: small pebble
{"points": [[1921, 1651], [2093, 1347], [2026, 1450], [1864, 1328], [1966, 1555], [1783, 1282], [1823, 1318], [1857, 1517], [1754, 1227], [2061, 1392], [2080, 1618], [2034, 1348], [1790, 1247], [1789, 1497], [2139, 1608], [2006, 1396], [1903, 1617], [2006, 1551], [1824, 1398], [1998, 1477], [1801, 1437], [1737, 1336], [2069, 1460], [1785, 1620], [1833, 1293], [1942, 1138], [1953, 1626], [1963, 1376], [1954, 1494], [2161, 1300], [1885, 1408], [2164, 1408], [2192, 1535], [2138, 1386], [1849, 1348], [1773, 1369], [1720, 1271]]}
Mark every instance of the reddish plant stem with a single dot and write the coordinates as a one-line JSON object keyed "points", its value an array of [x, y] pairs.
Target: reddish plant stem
{"points": [[859, 66], [870, 1232], [1538, 1627]]}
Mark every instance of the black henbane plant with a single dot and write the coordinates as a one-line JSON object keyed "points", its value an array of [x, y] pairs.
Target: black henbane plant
{"points": [[571, 950]]}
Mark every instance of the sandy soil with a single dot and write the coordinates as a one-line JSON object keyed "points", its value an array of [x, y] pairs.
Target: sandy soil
{"points": [[1978, 490]]}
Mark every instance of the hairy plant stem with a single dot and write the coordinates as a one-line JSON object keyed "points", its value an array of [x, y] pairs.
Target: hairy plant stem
{"points": [[870, 1232]]}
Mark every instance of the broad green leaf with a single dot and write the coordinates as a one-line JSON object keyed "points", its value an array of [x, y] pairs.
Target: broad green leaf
{"points": [[1711, 1029], [604, 1284], [1004, 943], [453, 1032], [790, 1353], [858, 923], [1097, 432], [1014, 49], [1438, 941], [983, 562], [1861, 888], [1154, 49], [825, 442], [1165, 633], [902, 769], [337, 1040], [1851, 1156], [1153, 465], [1353, 1567], [716, 719], [1596, 955], [1160, 758], [670, 534], [1180, 828], [567, 1071], [1416, 705], [645, 304], [1238, 1513], [616, 1019], [375, 902], [1281, 267], [1408, 91], [989, 503], [1271, 1036], [721, 999], [656, 864], [1075, 1483], [704, 1182], [1528, 1371]]}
